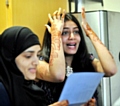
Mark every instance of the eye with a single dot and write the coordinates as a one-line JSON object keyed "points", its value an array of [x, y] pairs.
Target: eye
{"points": [[65, 33], [38, 56], [76, 32], [29, 56]]}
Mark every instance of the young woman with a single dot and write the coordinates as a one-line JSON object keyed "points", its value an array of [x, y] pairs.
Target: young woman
{"points": [[77, 58], [19, 57]]}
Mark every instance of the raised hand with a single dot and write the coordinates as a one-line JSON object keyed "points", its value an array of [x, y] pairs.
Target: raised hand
{"points": [[57, 21], [85, 25]]}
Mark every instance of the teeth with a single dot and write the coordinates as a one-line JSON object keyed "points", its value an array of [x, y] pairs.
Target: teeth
{"points": [[71, 44]]}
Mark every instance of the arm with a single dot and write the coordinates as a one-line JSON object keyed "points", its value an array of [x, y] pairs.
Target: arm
{"points": [[106, 61], [55, 70]]}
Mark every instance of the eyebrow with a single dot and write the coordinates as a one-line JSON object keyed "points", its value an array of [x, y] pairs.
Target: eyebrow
{"points": [[68, 28], [31, 51]]}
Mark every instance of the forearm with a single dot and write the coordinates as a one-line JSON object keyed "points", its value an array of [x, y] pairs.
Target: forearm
{"points": [[57, 59], [54, 71], [106, 63], [106, 59]]}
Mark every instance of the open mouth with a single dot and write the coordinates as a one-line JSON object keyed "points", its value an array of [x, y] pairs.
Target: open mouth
{"points": [[71, 45]]}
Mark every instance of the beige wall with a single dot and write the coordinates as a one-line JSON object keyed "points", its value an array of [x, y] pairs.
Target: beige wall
{"points": [[31, 13], [34, 13]]}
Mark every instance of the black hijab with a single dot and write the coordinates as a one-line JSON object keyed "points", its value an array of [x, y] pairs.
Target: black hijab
{"points": [[14, 41]]}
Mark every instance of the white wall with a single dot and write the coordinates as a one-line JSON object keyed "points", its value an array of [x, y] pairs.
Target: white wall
{"points": [[111, 5]]}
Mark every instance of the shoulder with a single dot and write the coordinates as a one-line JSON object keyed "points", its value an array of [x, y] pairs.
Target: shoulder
{"points": [[4, 98]]}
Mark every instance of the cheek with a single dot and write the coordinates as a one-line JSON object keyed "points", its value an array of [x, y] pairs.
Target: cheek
{"points": [[21, 65], [64, 39], [78, 39]]}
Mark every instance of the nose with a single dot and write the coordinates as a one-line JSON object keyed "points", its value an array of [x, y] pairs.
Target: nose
{"points": [[71, 35], [35, 61]]}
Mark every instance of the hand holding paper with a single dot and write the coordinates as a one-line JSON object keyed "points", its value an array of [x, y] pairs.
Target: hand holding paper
{"points": [[80, 87]]}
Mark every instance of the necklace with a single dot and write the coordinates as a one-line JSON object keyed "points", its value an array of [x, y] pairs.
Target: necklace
{"points": [[69, 71]]}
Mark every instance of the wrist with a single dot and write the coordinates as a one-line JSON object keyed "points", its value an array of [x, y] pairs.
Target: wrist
{"points": [[56, 33]]}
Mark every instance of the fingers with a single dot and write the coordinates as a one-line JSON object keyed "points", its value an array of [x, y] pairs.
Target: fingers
{"points": [[92, 102], [85, 25], [56, 21], [54, 14], [83, 12], [50, 18], [63, 15], [57, 14], [62, 103], [83, 15]]}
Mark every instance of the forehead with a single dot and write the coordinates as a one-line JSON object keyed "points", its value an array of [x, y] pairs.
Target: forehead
{"points": [[33, 48], [70, 24]]}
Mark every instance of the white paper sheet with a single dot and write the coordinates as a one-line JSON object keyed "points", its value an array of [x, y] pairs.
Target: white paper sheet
{"points": [[80, 87]]}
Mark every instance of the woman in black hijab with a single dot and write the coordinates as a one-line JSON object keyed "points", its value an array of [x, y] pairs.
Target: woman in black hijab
{"points": [[18, 44]]}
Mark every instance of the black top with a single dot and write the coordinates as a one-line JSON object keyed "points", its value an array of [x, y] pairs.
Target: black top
{"points": [[4, 98], [21, 92]]}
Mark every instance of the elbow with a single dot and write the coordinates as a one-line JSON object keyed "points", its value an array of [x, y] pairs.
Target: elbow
{"points": [[114, 72], [59, 75], [111, 72], [60, 78]]}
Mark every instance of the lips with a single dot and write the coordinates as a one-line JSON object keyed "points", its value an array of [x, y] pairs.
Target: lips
{"points": [[32, 70], [71, 45]]}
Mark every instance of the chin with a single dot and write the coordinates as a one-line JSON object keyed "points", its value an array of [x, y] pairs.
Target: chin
{"points": [[32, 77], [70, 54]]}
